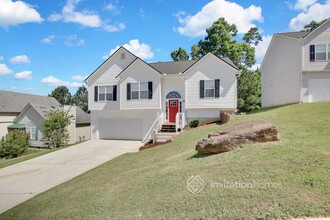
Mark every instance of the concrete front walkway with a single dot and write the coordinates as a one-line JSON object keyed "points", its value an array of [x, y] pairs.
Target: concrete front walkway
{"points": [[24, 180]]}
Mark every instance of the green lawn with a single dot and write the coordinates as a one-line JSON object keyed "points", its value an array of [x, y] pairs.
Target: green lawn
{"points": [[152, 184], [31, 153]]}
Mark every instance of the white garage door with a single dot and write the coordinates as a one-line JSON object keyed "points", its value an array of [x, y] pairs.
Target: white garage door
{"points": [[121, 128], [319, 90]]}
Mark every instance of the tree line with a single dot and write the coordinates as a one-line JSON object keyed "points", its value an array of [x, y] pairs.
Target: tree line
{"points": [[64, 97], [221, 40]]}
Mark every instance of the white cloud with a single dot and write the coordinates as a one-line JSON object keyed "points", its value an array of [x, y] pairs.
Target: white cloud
{"points": [[78, 78], [112, 8], [142, 13], [73, 40], [49, 40], [18, 12], [303, 4], [114, 28], [2, 58], [20, 59], [12, 87], [316, 12], [86, 18], [195, 25], [30, 89], [25, 75], [70, 15], [52, 81], [262, 47], [4, 70], [141, 50]]}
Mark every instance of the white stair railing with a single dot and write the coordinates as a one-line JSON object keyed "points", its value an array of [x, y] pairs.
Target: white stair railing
{"points": [[180, 121], [155, 127]]}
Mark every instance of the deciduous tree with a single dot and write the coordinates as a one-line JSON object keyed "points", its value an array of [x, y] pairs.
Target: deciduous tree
{"points": [[179, 54], [62, 95], [55, 128], [80, 98]]}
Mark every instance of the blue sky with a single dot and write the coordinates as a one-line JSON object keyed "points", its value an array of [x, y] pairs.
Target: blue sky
{"points": [[46, 43]]}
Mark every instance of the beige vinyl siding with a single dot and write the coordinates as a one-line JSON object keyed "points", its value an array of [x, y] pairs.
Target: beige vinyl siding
{"points": [[211, 68], [106, 75], [6, 119], [31, 115], [140, 72], [281, 71], [320, 36]]}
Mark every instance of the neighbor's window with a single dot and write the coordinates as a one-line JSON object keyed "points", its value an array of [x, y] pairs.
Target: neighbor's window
{"points": [[321, 52], [135, 90], [32, 130], [209, 88], [105, 93], [328, 51]]}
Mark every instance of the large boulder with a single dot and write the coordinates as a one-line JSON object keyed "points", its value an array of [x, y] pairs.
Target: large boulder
{"points": [[237, 135]]}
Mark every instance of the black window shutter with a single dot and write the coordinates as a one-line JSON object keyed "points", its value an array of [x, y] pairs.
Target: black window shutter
{"points": [[150, 90], [96, 93], [114, 93], [217, 88], [312, 53], [201, 89], [128, 91]]}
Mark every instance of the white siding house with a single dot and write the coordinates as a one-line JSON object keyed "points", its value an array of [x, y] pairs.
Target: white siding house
{"points": [[135, 98], [296, 67]]}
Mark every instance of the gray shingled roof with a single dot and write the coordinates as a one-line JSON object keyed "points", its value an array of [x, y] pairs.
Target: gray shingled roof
{"points": [[298, 35], [173, 67], [14, 102]]}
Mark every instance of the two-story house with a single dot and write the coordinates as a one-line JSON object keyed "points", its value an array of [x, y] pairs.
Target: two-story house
{"points": [[131, 99], [296, 67]]}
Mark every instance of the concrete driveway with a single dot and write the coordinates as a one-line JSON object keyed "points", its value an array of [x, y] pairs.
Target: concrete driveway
{"points": [[24, 180]]}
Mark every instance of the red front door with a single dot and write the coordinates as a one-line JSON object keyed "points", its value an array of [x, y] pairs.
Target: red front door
{"points": [[173, 108]]}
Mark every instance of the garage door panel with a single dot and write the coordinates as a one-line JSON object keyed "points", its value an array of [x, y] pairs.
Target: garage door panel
{"points": [[319, 90], [121, 128]]}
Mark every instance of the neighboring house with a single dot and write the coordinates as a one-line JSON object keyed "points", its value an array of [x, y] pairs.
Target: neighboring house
{"points": [[27, 112], [296, 67], [131, 99]]}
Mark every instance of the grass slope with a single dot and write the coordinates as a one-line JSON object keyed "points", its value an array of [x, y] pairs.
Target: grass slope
{"points": [[152, 184]]}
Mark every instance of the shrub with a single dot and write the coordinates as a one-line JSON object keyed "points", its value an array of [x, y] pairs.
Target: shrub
{"points": [[55, 128], [194, 123], [15, 144]]}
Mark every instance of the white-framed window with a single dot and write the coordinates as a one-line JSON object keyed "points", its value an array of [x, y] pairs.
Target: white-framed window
{"points": [[105, 93], [321, 52], [135, 90], [144, 90], [139, 90], [31, 129], [173, 103], [209, 88]]}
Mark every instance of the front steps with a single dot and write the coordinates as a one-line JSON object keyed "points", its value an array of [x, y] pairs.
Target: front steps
{"points": [[166, 128], [167, 132]]}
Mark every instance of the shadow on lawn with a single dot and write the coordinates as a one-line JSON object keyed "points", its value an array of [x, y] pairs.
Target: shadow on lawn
{"points": [[199, 155]]}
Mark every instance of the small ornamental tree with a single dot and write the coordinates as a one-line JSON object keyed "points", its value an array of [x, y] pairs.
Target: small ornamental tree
{"points": [[55, 128], [14, 144]]}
